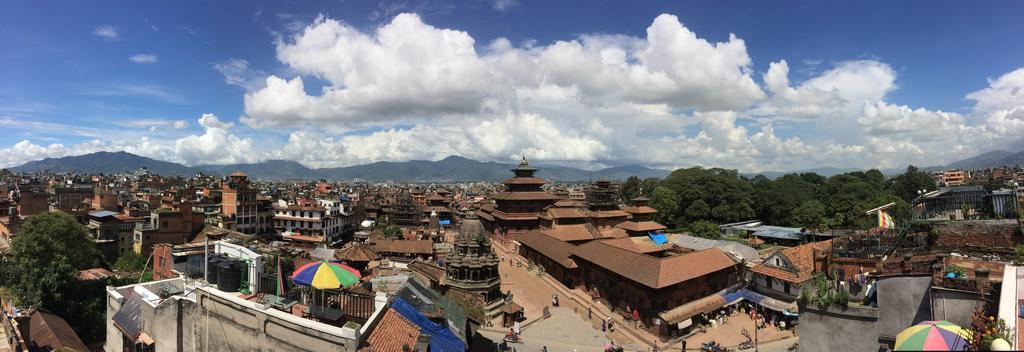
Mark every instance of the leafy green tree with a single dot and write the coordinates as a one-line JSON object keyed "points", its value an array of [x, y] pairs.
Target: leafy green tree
{"points": [[666, 203], [49, 249], [45, 256], [130, 262], [630, 189], [776, 200], [725, 193], [698, 210], [810, 214], [705, 229], [393, 232], [648, 185], [907, 185]]}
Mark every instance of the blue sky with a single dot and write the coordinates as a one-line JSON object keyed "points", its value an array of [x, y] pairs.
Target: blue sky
{"points": [[865, 84]]}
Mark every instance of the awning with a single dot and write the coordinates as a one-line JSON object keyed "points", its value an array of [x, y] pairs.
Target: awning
{"points": [[767, 302], [704, 305], [444, 222]]}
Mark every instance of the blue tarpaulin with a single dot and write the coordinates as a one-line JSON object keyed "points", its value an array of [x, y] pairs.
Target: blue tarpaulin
{"points": [[731, 297], [444, 222], [441, 338], [658, 239]]}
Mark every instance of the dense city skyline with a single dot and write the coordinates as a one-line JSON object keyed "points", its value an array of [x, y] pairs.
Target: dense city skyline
{"points": [[599, 85]]}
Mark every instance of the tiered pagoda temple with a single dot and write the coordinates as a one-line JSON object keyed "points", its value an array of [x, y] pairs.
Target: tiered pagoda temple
{"points": [[515, 210], [471, 267]]}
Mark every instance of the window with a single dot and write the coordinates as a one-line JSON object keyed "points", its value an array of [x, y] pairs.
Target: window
{"points": [[768, 282], [785, 286]]}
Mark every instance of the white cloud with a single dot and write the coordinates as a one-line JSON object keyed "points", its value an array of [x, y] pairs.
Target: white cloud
{"points": [[882, 119], [835, 94], [504, 5], [407, 69], [211, 121], [215, 146], [1004, 93], [130, 89], [154, 123], [237, 72], [107, 33], [143, 58]]}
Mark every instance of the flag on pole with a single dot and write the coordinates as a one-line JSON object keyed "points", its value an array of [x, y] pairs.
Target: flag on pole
{"points": [[885, 221], [280, 281]]}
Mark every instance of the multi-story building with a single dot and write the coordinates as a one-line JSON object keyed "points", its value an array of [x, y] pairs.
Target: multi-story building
{"points": [[167, 226], [105, 199], [239, 204], [954, 177], [69, 199], [112, 232], [320, 222], [32, 200]]}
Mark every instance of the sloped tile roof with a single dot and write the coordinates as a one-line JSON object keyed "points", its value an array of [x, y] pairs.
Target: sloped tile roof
{"points": [[392, 332]]}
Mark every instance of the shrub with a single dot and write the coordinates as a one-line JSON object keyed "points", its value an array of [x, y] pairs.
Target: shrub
{"points": [[841, 298]]}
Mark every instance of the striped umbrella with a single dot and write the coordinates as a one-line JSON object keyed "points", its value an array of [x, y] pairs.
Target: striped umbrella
{"points": [[940, 335], [326, 275]]}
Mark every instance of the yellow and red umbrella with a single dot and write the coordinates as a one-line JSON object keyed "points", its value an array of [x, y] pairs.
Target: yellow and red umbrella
{"points": [[940, 335], [326, 275]]}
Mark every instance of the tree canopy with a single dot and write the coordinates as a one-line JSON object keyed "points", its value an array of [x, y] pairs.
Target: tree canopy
{"points": [[805, 200], [666, 203], [49, 249]]}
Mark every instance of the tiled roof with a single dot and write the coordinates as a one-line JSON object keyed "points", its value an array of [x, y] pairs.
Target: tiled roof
{"points": [[554, 249], [392, 332], [514, 216], [640, 226], [566, 203], [640, 244], [639, 210], [356, 252], [652, 271], [50, 332], [524, 181], [530, 195], [572, 232], [608, 214], [93, 274], [565, 213], [404, 246], [801, 258]]}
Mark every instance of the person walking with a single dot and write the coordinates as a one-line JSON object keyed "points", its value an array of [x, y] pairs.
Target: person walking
{"points": [[590, 313], [636, 317], [604, 325]]}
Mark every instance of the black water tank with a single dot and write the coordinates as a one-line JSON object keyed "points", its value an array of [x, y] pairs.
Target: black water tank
{"points": [[212, 268], [229, 276]]}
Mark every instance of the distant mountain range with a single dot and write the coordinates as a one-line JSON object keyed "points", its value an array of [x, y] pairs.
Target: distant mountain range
{"points": [[824, 171], [991, 159], [987, 160], [450, 169]]}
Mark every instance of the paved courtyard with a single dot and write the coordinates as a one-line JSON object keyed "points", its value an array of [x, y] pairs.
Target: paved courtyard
{"points": [[563, 331], [730, 333]]}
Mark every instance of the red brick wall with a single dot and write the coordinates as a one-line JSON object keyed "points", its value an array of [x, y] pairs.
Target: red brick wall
{"points": [[163, 262], [987, 236]]}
